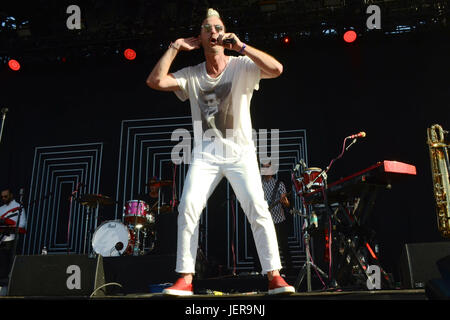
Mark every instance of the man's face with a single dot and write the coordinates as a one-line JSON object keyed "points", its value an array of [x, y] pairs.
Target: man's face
{"points": [[211, 100], [211, 28], [6, 196], [265, 171], [153, 187]]}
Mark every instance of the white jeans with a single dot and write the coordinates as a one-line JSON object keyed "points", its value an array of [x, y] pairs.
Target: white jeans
{"points": [[244, 177]]}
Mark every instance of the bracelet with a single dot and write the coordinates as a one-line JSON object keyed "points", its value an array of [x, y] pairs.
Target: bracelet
{"points": [[242, 49], [171, 45]]}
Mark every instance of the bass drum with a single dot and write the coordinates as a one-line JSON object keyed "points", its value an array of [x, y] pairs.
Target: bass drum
{"points": [[113, 238]]}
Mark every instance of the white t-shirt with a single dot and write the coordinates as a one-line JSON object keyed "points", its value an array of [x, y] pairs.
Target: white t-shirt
{"points": [[220, 108], [13, 215]]}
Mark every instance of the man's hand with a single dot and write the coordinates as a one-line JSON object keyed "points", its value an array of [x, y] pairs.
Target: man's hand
{"points": [[159, 78], [284, 200], [270, 67], [236, 46], [187, 44]]}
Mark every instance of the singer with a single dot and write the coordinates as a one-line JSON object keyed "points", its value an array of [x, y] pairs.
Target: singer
{"points": [[231, 80]]}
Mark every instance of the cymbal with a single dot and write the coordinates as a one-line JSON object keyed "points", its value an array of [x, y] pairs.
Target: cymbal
{"points": [[92, 200], [160, 183], [162, 209]]}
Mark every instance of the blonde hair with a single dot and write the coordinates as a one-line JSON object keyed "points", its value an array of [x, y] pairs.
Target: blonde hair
{"points": [[211, 12]]}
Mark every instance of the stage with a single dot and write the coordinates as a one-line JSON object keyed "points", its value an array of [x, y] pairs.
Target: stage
{"points": [[400, 294], [97, 147], [227, 288]]}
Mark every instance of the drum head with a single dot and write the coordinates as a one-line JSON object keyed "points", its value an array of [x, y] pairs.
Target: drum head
{"points": [[107, 236]]}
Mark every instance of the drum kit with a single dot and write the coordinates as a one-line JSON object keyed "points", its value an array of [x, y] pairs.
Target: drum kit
{"points": [[135, 233]]}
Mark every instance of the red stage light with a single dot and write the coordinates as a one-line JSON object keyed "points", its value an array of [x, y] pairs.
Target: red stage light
{"points": [[14, 65], [350, 36], [286, 40], [130, 54]]}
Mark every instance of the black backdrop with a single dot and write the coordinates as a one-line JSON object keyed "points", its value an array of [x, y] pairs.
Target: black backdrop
{"points": [[393, 88]]}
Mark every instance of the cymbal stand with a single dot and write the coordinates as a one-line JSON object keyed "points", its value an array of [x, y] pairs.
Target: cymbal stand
{"points": [[88, 232]]}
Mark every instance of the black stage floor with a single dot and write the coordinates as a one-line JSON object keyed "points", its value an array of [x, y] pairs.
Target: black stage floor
{"points": [[242, 305]]}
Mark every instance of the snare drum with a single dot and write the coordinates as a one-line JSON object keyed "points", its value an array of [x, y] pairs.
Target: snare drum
{"points": [[302, 184], [310, 175], [113, 238], [136, 212]]}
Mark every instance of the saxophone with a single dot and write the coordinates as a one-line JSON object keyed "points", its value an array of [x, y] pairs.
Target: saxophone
{"points": [[440, 174]]}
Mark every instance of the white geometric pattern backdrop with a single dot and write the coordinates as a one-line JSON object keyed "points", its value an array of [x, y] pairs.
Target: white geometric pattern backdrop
{"points": [[144, 152], [52, 219]]}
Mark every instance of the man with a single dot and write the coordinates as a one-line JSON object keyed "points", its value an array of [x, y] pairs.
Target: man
{"points": [[163, 230], [233, 80], [276, 196], [9, 214], [152, 197]]}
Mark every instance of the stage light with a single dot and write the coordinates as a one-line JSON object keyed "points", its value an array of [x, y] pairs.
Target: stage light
{"points": [[130, 54], [286, 40], [14, 65], [350, 36]]}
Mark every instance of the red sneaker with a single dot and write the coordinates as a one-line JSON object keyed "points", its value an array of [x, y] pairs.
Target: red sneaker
{"points": [[180, 288], [279, 286]]}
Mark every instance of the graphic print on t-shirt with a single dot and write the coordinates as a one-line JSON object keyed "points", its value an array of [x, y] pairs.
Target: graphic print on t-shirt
{"points": [[216, 108]]}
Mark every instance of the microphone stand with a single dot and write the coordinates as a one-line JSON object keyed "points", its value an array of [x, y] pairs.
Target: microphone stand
{"points": [[328, 215], [3, 112]]}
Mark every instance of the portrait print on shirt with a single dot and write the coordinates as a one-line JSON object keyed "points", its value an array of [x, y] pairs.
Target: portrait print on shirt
{"points": [[216, 109]]}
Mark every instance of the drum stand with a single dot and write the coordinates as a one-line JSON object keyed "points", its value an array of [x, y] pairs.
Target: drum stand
{"points": [[308, 263], [306, 236], [137, 243]]}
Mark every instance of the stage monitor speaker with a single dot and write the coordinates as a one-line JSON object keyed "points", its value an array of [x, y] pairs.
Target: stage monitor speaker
{"points": [[444, 268], [56, 275], [137, 273], [418, 262]]}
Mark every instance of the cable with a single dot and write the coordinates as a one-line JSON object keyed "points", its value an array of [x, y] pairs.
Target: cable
{"points": [[232, 239], [338, 157], [102, 286]]}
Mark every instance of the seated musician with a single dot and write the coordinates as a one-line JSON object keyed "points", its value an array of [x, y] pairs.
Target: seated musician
{"points": [[9, 214], [151, 198]]}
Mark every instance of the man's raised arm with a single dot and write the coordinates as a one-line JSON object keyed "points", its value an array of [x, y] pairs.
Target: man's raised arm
{"points": [[159, 78]]}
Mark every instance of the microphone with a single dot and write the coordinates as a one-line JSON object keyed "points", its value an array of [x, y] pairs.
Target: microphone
{"points": [[300, 163], [225, 41], [229, 41], [362, 134], [21, 195], [4, 111]]}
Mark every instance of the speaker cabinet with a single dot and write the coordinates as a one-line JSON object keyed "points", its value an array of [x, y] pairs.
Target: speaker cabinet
{"points": [[56, 275], [418, 262]]}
